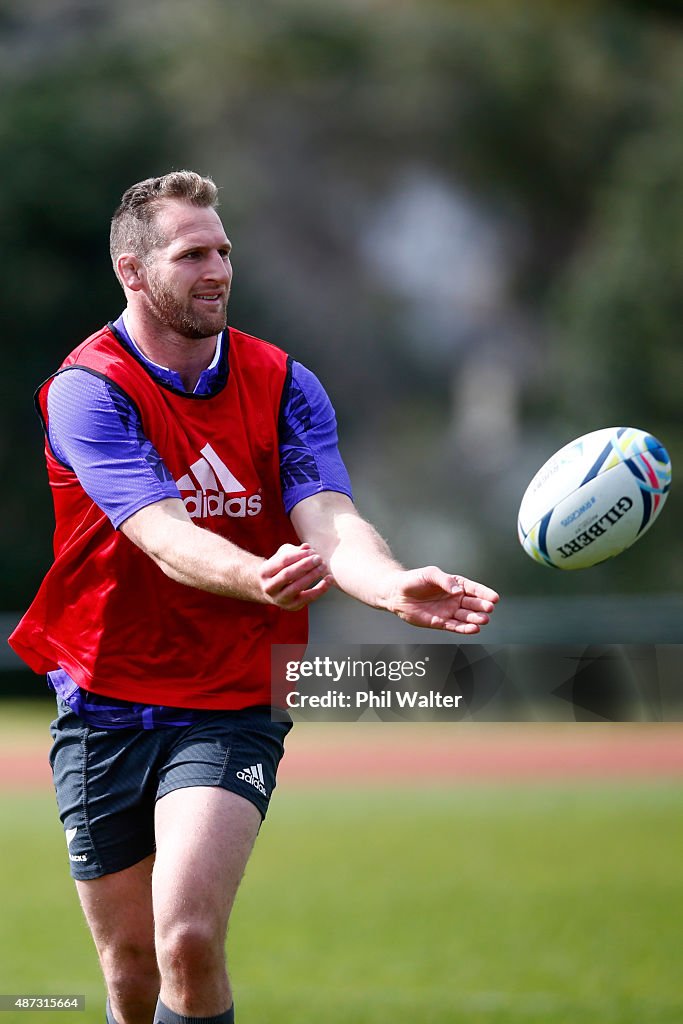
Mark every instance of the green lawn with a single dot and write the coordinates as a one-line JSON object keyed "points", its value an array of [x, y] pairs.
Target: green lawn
{"points": [[505, 905]]}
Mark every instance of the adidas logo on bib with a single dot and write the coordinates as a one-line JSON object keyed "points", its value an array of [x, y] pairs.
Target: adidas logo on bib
{"points": [[254, 776], [215, 491]]}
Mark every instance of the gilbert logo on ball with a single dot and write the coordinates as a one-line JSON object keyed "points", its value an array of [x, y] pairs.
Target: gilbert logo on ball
{"points": [[594, 498]]}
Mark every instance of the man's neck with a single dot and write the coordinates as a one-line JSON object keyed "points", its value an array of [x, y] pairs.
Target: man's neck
{"points": [[185, 356]]}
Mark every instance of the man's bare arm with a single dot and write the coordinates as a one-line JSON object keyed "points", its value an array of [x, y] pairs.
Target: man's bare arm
{"points": [[362, 565], [291, 578]]}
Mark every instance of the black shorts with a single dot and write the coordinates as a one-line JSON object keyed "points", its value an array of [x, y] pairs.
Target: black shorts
{"points": [[108, 781]]}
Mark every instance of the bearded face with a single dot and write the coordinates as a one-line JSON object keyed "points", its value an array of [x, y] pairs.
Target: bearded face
{"points": [[186, 272], [200, 312]]}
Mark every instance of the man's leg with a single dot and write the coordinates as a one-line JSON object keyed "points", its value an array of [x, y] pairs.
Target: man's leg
{"points": [[204, 837], [118, 909]]}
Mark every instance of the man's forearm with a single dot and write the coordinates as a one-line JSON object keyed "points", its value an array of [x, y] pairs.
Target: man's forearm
{"points": [[362, 565], [292, 577], [195, 557], [358, 558]]}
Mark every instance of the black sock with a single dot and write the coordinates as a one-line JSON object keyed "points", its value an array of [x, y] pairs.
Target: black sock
{"points": [[162, 1015], [111, 1019]]}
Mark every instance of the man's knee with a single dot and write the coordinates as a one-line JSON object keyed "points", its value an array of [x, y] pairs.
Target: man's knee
{"points": [[190, 948], [132, 976]]}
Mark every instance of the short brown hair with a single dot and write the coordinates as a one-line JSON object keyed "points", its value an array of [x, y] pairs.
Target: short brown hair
{"points": [[133, 226]]}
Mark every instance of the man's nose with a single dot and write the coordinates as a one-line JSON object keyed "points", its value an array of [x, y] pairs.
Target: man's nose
{"points": [[219, 268]]}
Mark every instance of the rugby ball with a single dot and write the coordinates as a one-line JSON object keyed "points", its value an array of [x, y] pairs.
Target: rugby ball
{"points": [[593, 498]]}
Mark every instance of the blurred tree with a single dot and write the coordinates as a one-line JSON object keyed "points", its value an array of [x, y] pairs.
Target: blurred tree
{"points": [[73, 136], [619, 314]]}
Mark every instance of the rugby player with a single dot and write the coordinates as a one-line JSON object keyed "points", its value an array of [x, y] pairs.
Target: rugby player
{"points": [[201, 505]]}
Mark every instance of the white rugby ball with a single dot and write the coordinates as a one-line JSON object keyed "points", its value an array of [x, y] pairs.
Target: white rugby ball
{"points": [[594, 498]]}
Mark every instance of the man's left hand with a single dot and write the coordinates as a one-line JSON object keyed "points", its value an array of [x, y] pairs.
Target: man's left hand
{"points": [[435, 599]]}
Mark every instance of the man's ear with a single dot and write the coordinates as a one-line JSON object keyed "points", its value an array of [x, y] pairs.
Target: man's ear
{"points": [[131, 271]]}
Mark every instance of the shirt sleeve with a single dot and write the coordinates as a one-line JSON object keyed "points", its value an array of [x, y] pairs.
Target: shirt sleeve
{"points": [[309, 455], [95, 430]]}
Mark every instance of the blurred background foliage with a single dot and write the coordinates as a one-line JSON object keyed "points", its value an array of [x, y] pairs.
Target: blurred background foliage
{"points": [[466, 218]]}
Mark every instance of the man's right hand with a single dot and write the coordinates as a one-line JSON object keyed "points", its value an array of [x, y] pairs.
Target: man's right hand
{"points": [[294, 577]]}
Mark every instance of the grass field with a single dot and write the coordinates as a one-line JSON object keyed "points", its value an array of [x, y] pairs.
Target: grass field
{"points": [[485, 905]]}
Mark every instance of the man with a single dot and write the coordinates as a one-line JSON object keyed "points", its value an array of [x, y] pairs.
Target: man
{"points": [[201, 506]]}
